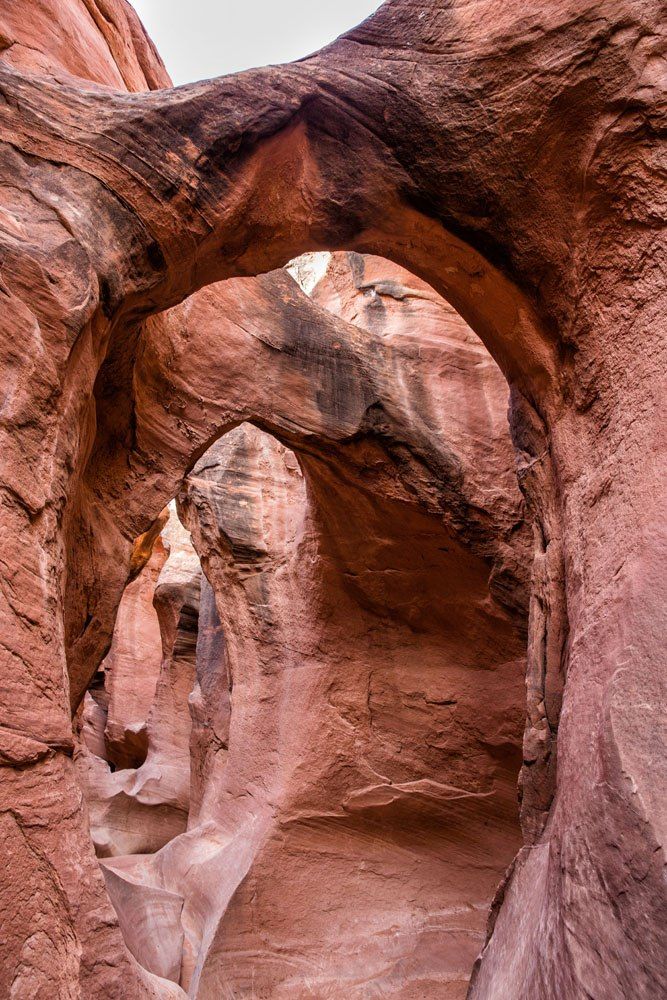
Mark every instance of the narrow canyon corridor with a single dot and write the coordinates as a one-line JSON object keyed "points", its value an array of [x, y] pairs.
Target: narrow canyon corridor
{"points": [[333, 510]]}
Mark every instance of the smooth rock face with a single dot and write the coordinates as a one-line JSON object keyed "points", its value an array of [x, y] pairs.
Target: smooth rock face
{"points": [[511, 155], [132, 667], [157, 942], [210, 700], [141, 806]]}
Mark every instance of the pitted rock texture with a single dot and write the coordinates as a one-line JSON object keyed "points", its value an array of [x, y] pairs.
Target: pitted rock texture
{"points": [[511, 155]]}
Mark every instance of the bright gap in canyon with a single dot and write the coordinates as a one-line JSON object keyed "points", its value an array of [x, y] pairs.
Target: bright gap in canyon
{"points": [[207, 38]]}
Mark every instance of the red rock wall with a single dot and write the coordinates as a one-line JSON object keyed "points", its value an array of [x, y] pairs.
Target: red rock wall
{"points": [[98, 40], [511, 156], [376, 862], [132, 667], [58, 931]]}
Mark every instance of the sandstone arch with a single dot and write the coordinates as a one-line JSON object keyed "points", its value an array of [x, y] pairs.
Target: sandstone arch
{"points": [[532, 158], [405, 589]]}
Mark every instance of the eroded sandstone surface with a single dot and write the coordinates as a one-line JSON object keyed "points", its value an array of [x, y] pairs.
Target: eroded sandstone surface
{"points": [[508, 154]]}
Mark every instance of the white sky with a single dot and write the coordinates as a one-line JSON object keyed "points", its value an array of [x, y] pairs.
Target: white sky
{"points": [[198, 39]]}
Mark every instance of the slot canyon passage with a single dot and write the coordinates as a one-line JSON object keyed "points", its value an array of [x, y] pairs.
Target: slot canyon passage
{"points": [[289, 612]]}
